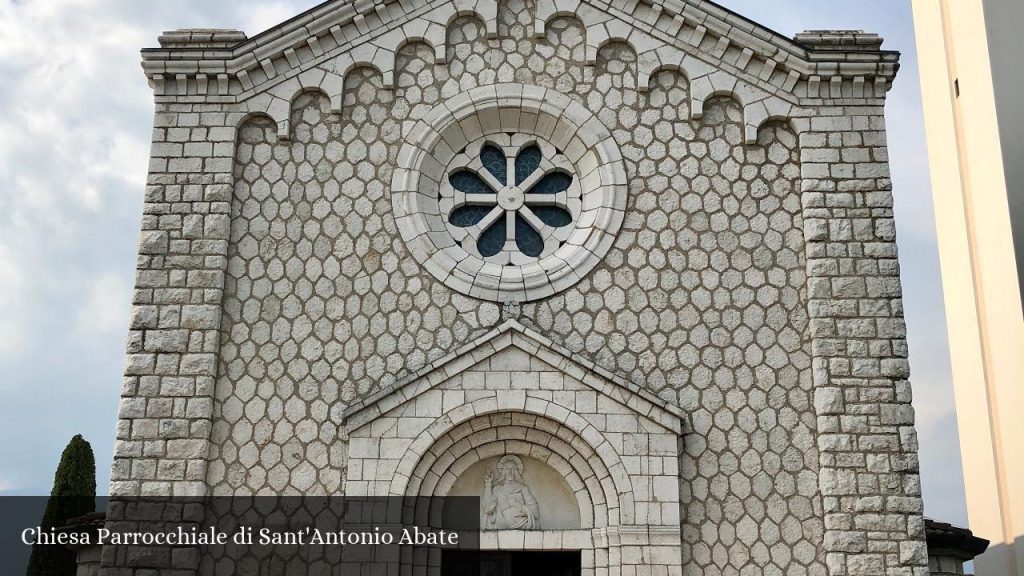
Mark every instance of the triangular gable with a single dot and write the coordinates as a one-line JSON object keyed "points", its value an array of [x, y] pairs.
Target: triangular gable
{"points": [[509, 334], [718, 51]]}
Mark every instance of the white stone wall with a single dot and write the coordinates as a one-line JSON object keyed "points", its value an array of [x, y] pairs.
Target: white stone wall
{"points": [[753, 286], [869, 480]]}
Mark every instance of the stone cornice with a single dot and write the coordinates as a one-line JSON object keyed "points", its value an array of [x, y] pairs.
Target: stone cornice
{"points": [[512, 333], [219, 65]]}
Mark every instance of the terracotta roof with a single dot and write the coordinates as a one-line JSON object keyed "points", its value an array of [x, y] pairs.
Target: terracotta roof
{"points": [[953, 540]]}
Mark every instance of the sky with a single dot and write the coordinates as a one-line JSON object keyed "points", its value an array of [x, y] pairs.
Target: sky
{"points": [[75, 121]]}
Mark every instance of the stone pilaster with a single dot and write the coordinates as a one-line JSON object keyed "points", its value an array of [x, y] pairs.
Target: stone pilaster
{"points": [[869, 470], [166, 401], [167, 396]]}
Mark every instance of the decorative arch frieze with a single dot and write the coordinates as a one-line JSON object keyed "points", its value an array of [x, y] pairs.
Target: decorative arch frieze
{"points": [[706, 80], [431, 33], [768, 74]]}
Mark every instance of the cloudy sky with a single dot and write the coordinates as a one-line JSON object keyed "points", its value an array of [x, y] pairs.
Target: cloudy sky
{"points": [[75, 116]]}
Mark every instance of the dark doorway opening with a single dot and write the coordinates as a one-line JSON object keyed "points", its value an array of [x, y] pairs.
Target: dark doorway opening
{"points": [[527, 563]]}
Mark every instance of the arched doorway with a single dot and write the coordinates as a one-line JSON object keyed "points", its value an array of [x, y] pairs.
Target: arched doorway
{"points": [[598, 453]]}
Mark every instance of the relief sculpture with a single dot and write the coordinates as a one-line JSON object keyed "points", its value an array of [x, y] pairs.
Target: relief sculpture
{"points": [[508, 503]]}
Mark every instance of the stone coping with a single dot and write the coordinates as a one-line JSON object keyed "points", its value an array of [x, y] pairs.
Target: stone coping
{"points": [[471, 353], [344, 26]]}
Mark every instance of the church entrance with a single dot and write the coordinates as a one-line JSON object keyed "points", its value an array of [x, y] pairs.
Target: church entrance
{"points": [[528, 563]]}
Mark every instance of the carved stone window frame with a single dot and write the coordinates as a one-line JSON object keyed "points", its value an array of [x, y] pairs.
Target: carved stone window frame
{"points": [[434, 142]]}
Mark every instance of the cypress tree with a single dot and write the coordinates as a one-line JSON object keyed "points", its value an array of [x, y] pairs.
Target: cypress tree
{"points": [[73, 494]]}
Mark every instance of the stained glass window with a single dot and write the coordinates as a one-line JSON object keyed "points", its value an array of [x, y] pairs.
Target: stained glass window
{"points": [[469, 183], [533, 212], [528, 240], [552, 183], [552, 216], [467, 216], [492, 241], [527, 162], [494, 161]]}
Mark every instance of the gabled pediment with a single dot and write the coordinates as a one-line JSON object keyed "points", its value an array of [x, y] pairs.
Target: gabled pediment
{"points": [[512, 335], [718, 51]]}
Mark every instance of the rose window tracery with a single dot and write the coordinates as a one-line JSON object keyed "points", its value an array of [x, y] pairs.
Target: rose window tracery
{"points": [[509, 193], [510, 199]]}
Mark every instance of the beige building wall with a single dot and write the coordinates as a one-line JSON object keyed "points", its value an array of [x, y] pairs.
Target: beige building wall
{"points": [[968, 78]]}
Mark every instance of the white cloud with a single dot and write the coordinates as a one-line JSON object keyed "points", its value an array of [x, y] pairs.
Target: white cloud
{"points": [[267, 15], [106, 310], [13, 286], [75, 123], [125, 149], [6, 486]]}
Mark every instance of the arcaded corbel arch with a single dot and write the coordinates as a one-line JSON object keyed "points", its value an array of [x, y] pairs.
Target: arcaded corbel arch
{"points": [[313, 80], [757, 114], [606, 32], [387, 44], [754, 115], [671, 58], [594, 51], [664, 57], [485, 10], [708, 86], [276, 108], [431, 33], [706, 82], [368, 55], [758, 108], [333, 86], [548, 10], [310, 80], [327, 83], [242, 119]]}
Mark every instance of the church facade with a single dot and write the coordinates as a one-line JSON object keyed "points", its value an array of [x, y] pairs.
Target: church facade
{"points": [[624, 269]]}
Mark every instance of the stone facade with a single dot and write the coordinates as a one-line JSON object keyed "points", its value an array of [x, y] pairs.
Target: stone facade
{"points": [[717, 334]]}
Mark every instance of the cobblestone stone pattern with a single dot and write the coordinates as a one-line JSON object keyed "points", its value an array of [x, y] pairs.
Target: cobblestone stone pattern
{"points": [[273, 291]]}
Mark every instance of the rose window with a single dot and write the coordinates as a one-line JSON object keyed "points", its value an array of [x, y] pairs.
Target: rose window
{"points": [[510, 199], [509, 192]]}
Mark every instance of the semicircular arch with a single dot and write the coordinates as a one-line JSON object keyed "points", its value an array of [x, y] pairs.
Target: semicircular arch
{"points": [[436, 452]]}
